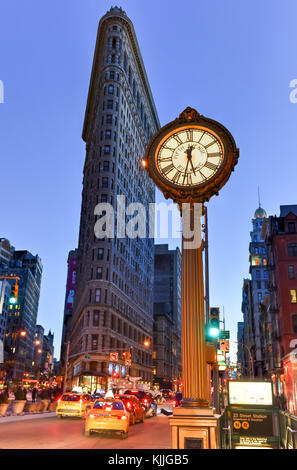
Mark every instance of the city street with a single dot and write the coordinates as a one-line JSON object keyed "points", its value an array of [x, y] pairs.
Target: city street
{"points": [[67, 433]]}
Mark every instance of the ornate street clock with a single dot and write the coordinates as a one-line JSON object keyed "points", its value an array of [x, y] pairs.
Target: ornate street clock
{"points": [[191, 158]]}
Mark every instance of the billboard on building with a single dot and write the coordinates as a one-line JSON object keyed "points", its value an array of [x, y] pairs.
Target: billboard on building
{"points": [[71, 280]]}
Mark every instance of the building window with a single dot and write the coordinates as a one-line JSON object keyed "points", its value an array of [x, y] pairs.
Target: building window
{"points": [[105, 166], [111, 75], [104, 182], [100, 253], [109, 104], [108, 134], [106, 149], [99, 273], [94, 342], [293, 296], [291, 272], [291, 226], [259, 297], [110, 89], [104, 197], [96, 318], [256, 261], [292, 249], [294, 323], [98, 295]]}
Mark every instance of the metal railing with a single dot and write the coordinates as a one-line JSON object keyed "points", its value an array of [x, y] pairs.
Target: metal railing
{"points": [[288, 430], [225, 444], [292, 431]]}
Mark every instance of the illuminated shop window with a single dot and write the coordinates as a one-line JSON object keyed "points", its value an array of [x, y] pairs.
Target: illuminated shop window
{"points": [[293, 296]]}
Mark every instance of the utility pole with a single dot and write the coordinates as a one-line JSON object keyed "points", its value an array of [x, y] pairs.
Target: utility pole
{"points": [[206, 267]]}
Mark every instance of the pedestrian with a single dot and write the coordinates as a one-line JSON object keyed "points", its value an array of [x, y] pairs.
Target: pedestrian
{"points": [[34, 394]]}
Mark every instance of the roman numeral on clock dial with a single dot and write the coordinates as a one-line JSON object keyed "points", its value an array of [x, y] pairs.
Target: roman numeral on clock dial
{"points": [[167, 169], [178, 139], [210, 143], [165, 159], [211, 166], [215, 154], [187, 179], [176, 177], [189, 135]]}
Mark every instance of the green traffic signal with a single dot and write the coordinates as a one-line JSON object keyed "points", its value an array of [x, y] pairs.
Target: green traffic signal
{"points": [[211, 332]]}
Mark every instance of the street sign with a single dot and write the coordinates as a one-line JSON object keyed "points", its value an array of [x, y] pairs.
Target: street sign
{"points": [[87, 357], [224, 334], [224, 345], [114, 356]]}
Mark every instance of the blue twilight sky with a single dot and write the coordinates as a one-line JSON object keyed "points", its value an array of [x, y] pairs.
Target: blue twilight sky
{"points": [[232, 61]]}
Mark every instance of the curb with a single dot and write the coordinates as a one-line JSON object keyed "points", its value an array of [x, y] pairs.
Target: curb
{"points": [[28, 416]]}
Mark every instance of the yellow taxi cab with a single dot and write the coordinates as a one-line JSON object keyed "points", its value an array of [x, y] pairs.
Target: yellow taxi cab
{"points": [[72, 404], [107, 415]]}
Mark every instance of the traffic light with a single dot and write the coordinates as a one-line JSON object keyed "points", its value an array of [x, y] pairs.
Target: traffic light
{"points": [[124, 355], [14, 294], [213, 326]]}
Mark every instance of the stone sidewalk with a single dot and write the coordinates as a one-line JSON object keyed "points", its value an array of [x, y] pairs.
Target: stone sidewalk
{"points": [[26, 416]]}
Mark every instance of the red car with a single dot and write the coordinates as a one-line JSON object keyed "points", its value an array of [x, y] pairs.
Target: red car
{"points": [[134, 408], [147, 401]]}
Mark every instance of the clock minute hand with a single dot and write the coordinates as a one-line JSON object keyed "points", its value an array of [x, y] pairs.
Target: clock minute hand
{"points": [[192, 166], [186, 171]]}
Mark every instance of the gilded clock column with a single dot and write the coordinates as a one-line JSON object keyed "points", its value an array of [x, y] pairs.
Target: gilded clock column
{"points": [[193, 324], [190, 170]]}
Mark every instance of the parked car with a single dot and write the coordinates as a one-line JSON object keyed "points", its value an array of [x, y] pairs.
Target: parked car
{"points": [[72, 404], [147, 401], [134, 408], [107, 415], [177, 399]]}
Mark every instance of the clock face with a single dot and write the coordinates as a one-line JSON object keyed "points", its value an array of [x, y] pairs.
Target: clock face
{"points": [[190, 157]]}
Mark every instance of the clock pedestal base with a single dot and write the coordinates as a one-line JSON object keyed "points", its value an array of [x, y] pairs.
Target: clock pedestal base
{"points": [[195, 428]]}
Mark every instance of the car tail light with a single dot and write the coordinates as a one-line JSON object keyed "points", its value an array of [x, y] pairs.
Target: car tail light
{"points": [[128, 404], [92, 416], [174, 403], [145, 400]]}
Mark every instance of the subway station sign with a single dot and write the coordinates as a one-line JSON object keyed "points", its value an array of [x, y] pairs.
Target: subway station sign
{"points": [[251, 414], [252, 423]]}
